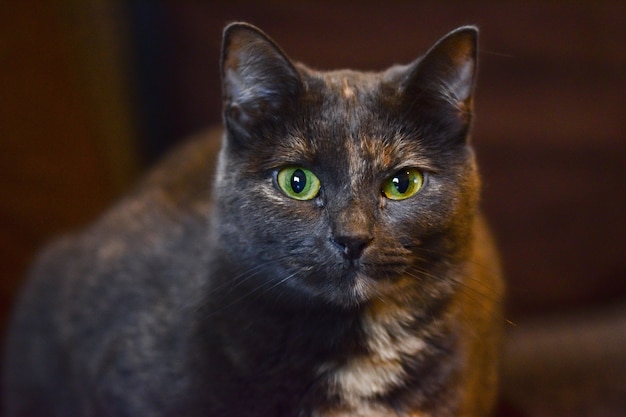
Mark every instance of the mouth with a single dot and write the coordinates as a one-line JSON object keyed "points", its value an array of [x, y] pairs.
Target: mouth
{"points": [[352, 283], [363, 288], [365, 281], [358, 284], [373, 272]]}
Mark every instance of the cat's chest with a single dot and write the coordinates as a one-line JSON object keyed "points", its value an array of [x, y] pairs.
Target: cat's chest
{"points": [[361, 383]]}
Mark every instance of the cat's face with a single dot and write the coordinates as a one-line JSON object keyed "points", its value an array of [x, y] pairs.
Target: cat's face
{"points": [[344, 186]]}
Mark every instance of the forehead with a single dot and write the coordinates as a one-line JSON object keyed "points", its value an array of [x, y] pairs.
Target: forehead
{"points": [[350, 121], [346, 128]]}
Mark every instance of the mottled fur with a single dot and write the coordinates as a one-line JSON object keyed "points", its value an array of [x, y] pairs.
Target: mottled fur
{"points": [[236, 300]]}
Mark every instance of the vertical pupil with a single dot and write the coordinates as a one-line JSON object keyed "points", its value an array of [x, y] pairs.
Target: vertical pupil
{"points": [[298, 181], [401, 182]]}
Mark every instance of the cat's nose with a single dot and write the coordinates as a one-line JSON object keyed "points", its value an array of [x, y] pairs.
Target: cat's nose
{"points": [[352, 247]]}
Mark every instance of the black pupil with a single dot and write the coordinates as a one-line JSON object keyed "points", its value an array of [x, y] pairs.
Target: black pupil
{"points": [[401, 182], [298, 181]]}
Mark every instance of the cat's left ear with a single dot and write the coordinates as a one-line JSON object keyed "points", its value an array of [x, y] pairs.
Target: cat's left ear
{"points": [[259, 82], [443, 79]]}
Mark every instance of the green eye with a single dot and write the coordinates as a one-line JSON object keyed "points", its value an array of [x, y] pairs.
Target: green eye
{"points": [[298, 183], [403, 184]]}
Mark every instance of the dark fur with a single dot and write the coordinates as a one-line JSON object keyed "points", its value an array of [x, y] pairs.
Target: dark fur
{"points": [[245, 304]]}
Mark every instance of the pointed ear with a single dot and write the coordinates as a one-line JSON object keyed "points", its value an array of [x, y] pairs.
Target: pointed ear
{"points": [[443, 79], [258, 80]]}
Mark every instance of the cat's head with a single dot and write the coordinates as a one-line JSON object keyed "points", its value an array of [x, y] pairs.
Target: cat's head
{"points": [[344, 186]]}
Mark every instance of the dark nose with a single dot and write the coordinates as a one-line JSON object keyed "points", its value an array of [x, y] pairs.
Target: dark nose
{"points": [[352, 247]]}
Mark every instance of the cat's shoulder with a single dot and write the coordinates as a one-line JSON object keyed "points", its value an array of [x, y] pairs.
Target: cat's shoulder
{"points": [[163, 218], [183, 179]]}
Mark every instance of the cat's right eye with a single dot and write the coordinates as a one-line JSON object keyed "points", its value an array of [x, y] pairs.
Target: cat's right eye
{"points": [[403, 184], [298, 183]]}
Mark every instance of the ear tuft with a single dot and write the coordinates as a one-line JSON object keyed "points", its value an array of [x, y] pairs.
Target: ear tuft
{"points": [[258, 80]]}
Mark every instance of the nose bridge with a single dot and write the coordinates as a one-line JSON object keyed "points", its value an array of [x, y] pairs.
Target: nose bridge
{"points": [[352, 219], [352, 229], [351, 211], [352, 215]]}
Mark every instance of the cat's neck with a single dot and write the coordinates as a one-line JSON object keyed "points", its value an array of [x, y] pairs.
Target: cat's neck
{"points": [[347, 357]]}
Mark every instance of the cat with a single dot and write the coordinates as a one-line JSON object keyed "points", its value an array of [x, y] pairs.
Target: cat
{"points": [[338, 265]]}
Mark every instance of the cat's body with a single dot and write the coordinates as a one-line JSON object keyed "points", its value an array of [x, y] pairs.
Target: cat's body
{"points": [[338, 267]]}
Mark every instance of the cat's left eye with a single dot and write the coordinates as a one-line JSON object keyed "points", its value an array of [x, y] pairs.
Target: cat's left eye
{"points": [[298, 183], [403, 184]]}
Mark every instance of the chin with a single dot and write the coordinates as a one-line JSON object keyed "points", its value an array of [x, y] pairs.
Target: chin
{"points": [[350, 291]]}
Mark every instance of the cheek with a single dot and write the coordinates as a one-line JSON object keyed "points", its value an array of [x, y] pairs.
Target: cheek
{"points": [[267, 217], [408, 218], [441, 213]]}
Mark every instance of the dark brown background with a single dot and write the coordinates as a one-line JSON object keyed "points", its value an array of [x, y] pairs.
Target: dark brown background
{"points": [[91, 93]]}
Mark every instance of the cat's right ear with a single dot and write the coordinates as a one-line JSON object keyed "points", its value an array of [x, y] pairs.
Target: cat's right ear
{"points": [[437, 89], [259, 82]]}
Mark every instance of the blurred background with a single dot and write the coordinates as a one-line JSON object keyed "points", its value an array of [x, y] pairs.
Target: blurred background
{"points": [[92, 93]]}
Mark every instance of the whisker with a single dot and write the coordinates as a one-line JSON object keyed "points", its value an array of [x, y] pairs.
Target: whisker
{"points": [[490, 270], [489, 293], [245, 276], [471, 293], [476, 296], [276, 284], [511, 323], [240, 279]]}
